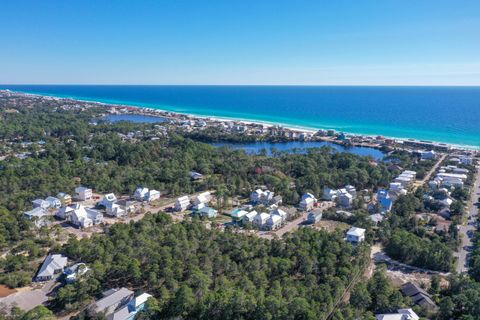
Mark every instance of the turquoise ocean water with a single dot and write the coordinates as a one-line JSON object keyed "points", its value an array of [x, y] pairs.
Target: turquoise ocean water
{"points": [[443, 114]]}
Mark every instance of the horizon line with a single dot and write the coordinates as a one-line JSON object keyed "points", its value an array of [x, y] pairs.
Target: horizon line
{"points": [[242, 85]]}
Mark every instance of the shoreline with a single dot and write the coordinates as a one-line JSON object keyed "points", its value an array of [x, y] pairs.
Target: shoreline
{"points": [[155, 109]]}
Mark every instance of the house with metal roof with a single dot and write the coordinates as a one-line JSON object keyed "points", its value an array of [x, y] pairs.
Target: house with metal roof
{"points": [[52, 265], [112, 300]]}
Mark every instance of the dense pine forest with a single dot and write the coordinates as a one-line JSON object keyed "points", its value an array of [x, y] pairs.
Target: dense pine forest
{"points": [[192, 270]]}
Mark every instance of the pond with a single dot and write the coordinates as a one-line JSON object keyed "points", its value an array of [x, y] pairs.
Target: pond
{"points": [[137, 118], [299, 147]]}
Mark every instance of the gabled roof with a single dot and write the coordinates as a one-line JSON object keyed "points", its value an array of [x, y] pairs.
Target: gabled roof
{"points": [[51, 199], [38, 212], [262, 216], [354, 231], [141, 190], [52, 262], [115, 297], [139, 300], [273, 219], [410, 289], [238, 213], [183, 199], [251, 214], [308, 195], [377, 217], [307, 200], [279, 212]]}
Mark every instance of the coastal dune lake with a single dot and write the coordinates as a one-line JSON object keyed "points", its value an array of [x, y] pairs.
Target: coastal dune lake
{"points": [[443, 114], [299, 147], [257, 147]]}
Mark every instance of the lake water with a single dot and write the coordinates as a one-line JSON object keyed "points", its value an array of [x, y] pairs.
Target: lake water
{"points": [[134, 118], [299, 147]]}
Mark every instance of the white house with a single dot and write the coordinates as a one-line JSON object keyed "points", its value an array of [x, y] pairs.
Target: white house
{"points": [[152, 195], [53, 264], [355, 235], [40, 203], [395, 186], [54, 202], [282, 214], [403, 314], [204, 197], [80, 216], [376, 218], [307, 204], [38, 215], [249, 217], [140, 193], [260, 196], [182, 203], [273, 222], [404, 181], [115, 210], [260, 219], [83, 193], [74, 272], [108, 199]]}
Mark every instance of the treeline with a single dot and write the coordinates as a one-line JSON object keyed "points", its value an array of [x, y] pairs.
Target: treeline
{"points": [[197, 273], [76, 152]]}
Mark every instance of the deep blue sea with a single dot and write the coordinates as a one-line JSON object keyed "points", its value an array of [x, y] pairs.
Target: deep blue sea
{"points": [[443, 114]]}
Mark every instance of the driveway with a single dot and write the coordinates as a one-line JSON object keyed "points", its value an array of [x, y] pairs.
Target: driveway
{"points": [[28, 298]]}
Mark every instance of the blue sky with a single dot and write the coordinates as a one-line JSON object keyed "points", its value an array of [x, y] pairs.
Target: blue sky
{"points": [[367, 42]]}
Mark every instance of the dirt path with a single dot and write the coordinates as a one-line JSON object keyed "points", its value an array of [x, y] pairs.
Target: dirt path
{"points": [[431, 172]]}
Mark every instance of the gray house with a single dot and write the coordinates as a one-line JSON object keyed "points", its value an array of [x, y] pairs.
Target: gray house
{"points": [[112, 300], [314, 217], [53, 264]]}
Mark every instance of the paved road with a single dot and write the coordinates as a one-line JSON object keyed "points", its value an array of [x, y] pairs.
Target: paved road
{"points": [[466, 231]]}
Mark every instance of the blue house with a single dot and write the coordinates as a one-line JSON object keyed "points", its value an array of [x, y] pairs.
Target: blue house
{"points": [[384, 200]]}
